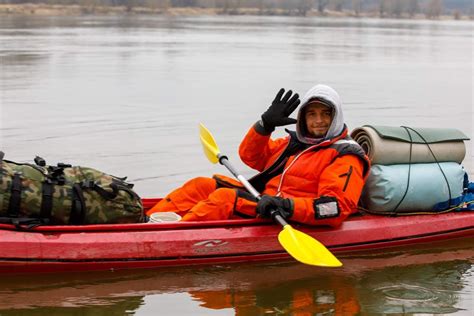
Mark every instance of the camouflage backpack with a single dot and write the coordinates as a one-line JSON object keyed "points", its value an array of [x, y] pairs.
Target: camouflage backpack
{"points": [[62, 194]]}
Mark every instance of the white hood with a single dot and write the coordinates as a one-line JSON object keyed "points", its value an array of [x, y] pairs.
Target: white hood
{"points": [[329, 97]]}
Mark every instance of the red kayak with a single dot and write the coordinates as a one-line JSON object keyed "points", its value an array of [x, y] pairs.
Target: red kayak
{"points": [[147, 245]]}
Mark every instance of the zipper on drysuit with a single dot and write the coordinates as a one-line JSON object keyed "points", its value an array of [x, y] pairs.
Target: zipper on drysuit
{"points": [[289, 166], [348, 175], [313, 147]]}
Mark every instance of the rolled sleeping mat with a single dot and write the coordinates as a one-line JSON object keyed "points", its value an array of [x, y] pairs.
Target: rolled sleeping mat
{"points": [[386, 186], [388, 145]]}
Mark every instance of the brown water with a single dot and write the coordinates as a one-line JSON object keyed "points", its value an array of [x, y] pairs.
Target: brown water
{"points": [[125, 95], [423, 280]]}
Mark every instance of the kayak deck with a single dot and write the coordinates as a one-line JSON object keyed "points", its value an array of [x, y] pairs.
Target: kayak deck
{"points": [[147, 245]]}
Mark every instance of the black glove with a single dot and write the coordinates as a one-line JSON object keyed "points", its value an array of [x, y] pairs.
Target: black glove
{"points": [[269, 206], [278, 113]]}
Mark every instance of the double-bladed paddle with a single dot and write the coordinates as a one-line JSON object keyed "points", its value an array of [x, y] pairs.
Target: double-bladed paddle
{"points": [[299, 245]]}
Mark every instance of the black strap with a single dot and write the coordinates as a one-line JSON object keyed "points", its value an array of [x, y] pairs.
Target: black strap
{"points": [[47, 199], [90, 184], [21, 222], [15, 198], [347, 147], [55, 172], [127, 188], [261, 179], [78, 206], [246, 195]]}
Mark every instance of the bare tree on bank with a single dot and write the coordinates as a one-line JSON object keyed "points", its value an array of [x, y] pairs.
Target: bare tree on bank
{"points": [[357, 6], [434, 9], [383, 7], [322, 5], [396, 8], [336, 5], [304, 6], [413, 8]]}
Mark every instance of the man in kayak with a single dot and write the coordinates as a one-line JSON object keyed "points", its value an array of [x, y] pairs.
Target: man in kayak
{"points": [[313, 176]]}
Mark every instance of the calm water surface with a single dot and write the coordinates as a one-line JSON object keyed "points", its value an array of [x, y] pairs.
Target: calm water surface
{"points": [[418, 281], [125, 95]]}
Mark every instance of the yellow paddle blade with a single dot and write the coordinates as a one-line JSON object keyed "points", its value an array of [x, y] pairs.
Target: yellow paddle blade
{"points": [[306, 249], [209, 144]]}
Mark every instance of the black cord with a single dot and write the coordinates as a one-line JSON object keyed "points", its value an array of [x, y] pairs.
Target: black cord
{"points": [[394, 212], [437, 162]]}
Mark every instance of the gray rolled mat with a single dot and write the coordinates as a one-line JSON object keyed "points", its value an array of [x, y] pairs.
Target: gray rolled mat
{"points": [[388, 145], [386, 186]]}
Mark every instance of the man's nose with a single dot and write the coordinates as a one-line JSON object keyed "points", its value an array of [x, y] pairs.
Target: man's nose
{"points": [[318, 118]]}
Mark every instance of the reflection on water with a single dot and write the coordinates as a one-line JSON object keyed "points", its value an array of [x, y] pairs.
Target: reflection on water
{"points": [[429, 279]]}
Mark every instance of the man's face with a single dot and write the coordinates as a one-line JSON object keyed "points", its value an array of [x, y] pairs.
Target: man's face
{"points": [[318, 119]]}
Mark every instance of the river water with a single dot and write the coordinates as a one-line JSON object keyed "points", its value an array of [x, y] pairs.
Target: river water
{"points": [[125, 95]]}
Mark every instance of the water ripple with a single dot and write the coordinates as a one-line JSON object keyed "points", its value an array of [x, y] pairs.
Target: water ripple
{"points": [[407, 293]]}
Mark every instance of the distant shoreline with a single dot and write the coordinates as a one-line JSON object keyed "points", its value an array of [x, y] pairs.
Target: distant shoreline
{"points": [[29, 9]]}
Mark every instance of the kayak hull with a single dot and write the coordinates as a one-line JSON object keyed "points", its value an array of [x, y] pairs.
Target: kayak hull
{"points": [[128, 246]]}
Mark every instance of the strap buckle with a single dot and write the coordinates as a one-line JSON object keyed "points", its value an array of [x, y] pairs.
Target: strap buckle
{"points": [[40, 161], [88, 184]]}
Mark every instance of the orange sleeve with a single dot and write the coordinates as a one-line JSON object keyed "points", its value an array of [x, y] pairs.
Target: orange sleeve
{"points": [[256, 149], [343, 180]]}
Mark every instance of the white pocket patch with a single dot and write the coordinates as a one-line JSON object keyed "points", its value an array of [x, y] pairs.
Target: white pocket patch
{"points": [[328, 209], [325, 207]]}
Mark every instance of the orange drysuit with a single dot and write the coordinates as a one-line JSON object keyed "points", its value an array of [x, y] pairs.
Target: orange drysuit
{"points": [[333, 168], [324, 178]]}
